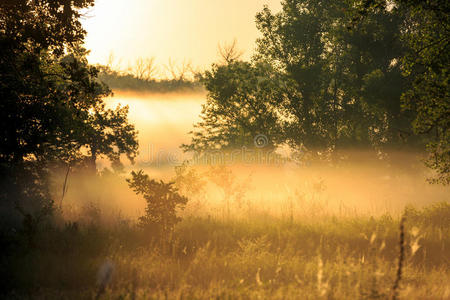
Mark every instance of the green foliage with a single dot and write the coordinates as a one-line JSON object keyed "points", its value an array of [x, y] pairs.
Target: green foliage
{"points": [[240, 105], [52, 109], [428, 64], [346, 88], [163, 201], [108, 133], [426, 34], [312, 84], [320, 85], [41, 25]]}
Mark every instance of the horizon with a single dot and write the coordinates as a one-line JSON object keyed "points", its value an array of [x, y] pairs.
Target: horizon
{"points": [[192, 38]]}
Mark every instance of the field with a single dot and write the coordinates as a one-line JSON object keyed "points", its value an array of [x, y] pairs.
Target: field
{"points": [[267, 229], [270, 149], [251, 256]]}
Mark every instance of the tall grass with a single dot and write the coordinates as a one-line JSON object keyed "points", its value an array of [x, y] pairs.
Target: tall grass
{"points": [[261, 256]]}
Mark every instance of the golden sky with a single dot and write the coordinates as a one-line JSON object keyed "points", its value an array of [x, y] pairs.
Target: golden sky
{"points": [[187, 30]]}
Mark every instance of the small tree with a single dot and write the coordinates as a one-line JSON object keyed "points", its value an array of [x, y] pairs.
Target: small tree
{"points": [[145, 69], [233, 189], [163, 201], [179, 72], [229, 52]]}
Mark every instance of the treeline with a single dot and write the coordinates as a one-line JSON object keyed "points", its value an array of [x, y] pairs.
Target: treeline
{"points": [[128, 82], [334, 75], [144, 76]]}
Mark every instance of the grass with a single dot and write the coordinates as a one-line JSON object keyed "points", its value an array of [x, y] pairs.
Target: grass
{"points": [[246, 258]]}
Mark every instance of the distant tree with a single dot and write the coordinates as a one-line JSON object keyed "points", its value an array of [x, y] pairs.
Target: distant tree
{"points": [[188, 181], [178, 72], [229, 52], [145, 69], [163, 201], [234, 190], [112, 64]]}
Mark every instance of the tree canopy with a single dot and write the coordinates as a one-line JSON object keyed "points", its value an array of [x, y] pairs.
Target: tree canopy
{"points": [[426, 33], [336, 75], [52, 109]]}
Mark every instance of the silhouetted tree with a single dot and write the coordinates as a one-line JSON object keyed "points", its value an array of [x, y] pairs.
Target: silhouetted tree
{"points": [[51, 99], [312, 83], [347, 92], [229, 52], [163, 201], [241, 104], [145, 69], [178, 72], [426, 33]]}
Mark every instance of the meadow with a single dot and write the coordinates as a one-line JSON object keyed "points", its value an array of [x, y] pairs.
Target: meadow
{"points": [[253, 257], [250, 230], [232, 243], [313, 163]]}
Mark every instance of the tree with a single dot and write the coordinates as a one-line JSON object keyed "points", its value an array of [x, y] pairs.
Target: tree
{"points": [[51, 98], [312, 84], [425, 64], [229, 52], [291, 43], [337, 101], [178, 73], [109, 134], [233, 190], [163, 201], [145, 69], [34, 26], [188, 181], [90, 125], [240, 105]]}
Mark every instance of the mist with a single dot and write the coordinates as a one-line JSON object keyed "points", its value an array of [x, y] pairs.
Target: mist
{"points": [[360, 185], [209, 149]]}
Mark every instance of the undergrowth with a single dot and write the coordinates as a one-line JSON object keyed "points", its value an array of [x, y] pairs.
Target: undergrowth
{"points": [[277, 258]]}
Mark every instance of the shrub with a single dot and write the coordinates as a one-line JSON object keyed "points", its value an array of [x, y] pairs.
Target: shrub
{"points": [[163, 201]]}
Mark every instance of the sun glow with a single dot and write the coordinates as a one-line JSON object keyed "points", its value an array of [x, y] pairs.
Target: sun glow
{"points": [[176, 29]]}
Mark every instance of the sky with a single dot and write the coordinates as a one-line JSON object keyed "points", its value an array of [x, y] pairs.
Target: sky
{"points": [[180, 30]]}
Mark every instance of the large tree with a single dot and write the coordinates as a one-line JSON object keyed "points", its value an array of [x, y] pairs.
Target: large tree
{"points": [[52, 108], [324, 87], [348, 84], [426, 32]]}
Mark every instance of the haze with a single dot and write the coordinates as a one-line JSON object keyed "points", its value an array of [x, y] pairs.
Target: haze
{"points": [[175, 29], [216, 149], [363, 185]]}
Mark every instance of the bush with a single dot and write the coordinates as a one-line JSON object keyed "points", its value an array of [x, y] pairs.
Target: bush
{"points": [[163, 201]]}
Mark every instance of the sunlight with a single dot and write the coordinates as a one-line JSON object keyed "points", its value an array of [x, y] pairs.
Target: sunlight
{"points": [[224, 149], [176, 29]]}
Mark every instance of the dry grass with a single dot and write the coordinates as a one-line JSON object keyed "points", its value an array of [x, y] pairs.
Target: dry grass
{"points": [[246, 258]]}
